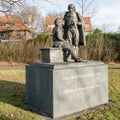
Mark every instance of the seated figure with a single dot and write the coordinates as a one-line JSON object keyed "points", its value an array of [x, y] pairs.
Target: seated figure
{"points": [[59, 42]]}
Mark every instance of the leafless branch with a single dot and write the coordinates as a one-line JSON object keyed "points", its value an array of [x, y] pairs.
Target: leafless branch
{"points": [[86, 7], [10, 5]]}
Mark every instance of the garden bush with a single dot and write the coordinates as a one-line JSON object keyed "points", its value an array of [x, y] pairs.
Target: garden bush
{"points": [[25, 51], [99, 47]]}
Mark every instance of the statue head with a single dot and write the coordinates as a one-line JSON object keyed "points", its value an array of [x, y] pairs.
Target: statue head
{"points": [[58, 22], [71, 7]]}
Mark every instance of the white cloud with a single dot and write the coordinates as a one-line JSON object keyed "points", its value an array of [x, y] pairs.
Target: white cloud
{"points": [[109, 14], [108, 10]]}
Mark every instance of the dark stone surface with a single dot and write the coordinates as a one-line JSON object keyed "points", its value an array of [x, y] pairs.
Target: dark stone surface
{"points": [[65, 88]]}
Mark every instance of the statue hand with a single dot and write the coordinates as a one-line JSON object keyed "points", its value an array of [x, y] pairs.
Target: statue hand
{"points": [[79, 23]]}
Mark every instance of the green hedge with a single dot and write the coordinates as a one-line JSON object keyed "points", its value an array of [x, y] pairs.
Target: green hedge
{"points": [[25, 51], [99, 47]]}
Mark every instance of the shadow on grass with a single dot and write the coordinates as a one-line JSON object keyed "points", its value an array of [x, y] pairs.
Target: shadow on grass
{"points": [[12, 93]]}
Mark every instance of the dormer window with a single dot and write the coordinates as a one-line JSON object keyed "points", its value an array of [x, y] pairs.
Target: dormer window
{"points": [[7, 24]]}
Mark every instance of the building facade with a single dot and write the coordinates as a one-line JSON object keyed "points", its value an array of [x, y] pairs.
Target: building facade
{"points": [[49, 24], [12, 28]]}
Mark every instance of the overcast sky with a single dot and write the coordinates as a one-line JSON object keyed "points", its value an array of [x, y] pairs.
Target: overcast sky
{"points": [[107, 15]]}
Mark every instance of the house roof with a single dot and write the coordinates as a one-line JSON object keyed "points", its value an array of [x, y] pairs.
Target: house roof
{"points": [[50, 21], [87, 19], [1, 28], [14, 24], [87, 22]]}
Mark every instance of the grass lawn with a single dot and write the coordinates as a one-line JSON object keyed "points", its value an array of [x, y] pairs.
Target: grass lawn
{"points": [[12, 98]]}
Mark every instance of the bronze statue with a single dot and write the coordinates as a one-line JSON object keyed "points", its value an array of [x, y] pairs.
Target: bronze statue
{"points": [[59, 42], [71, 34], [74, 27]]}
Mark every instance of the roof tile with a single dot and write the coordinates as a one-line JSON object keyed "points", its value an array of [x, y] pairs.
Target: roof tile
{"points": [[17, 24]]}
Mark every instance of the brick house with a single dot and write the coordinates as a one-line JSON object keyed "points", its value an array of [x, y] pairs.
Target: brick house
{"points": [[49, 24], [12, 28]]}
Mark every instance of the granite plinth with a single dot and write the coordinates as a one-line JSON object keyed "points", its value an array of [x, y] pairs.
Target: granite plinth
{"points": [[64, 88], [52, 55]]}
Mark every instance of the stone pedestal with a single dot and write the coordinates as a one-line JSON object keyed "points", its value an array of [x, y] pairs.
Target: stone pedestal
{"points": [[52, 55], [64, 88]]}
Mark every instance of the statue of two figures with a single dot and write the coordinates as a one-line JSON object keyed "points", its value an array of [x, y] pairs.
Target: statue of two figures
{"points": [[69, 33]]}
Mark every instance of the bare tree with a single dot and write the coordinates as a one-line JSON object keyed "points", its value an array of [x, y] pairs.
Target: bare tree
{"points": [[7, 6], [86, 7], [55, 14], [118, 29], [32, 18]]}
